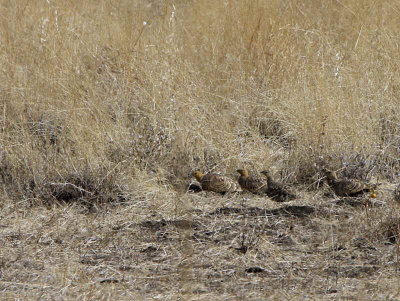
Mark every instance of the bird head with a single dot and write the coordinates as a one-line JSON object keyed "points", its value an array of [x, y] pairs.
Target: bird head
{"points": [[198, 175], [331, 175], [266, 173], [243, 172]]}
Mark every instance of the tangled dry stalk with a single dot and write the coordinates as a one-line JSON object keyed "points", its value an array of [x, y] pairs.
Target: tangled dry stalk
{"points": [[117, 102]]}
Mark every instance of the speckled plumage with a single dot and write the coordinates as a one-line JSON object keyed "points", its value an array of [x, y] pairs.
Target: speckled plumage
{"points": [[216, 183], [346, 187], [252, 183], [277, 191]]}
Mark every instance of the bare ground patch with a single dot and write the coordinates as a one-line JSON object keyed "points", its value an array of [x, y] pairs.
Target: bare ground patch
{"points": [[225, 248]]}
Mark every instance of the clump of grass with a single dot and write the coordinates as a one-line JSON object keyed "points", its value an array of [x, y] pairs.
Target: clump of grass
{"points": [[389, 229], [88, 187], [180, 86]]}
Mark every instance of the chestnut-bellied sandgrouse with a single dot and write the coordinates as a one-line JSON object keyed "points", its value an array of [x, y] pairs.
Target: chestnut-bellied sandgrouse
{"points": [[252, 183], [216, 183], [347, 187], [276, 190]]}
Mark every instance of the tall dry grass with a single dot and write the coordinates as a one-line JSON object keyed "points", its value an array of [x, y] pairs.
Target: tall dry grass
{"points": [[125, 108]]}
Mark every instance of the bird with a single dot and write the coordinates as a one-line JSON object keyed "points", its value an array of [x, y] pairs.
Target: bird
{"points": [[252, 183], [347, 187], [216, 183], [277, 191]]}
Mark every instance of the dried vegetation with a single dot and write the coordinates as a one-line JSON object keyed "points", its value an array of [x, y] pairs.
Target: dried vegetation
{"points": [[108, 106]]}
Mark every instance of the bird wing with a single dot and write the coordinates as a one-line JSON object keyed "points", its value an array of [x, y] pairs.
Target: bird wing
{"points": [[254, 184], [219, 183], [348, 187], [279, 191]]}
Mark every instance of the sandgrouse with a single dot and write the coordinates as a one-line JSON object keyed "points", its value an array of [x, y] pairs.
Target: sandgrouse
{"points": [[216, 183], [277, 191], [252, 183], [346, 187]]}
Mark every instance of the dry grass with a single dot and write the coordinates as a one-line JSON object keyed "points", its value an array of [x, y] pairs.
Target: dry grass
{"points": [[99, 107]]}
